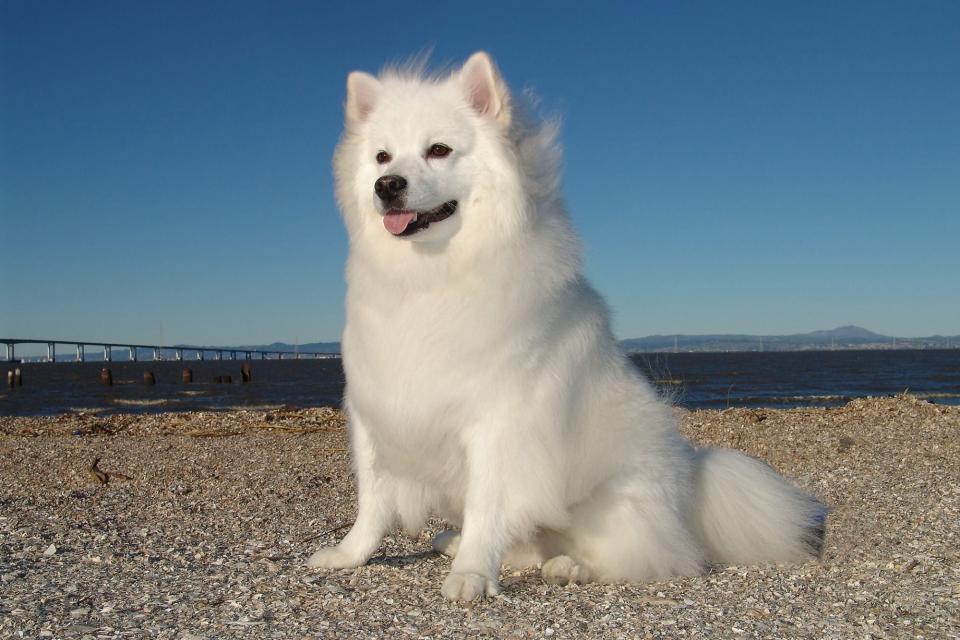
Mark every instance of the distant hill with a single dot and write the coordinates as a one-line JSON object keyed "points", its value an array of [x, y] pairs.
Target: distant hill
{"points": [[312, 347], [846, 337], [848, 331]]}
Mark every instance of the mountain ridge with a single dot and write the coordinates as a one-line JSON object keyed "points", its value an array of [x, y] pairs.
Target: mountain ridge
{"points": [[844, 337]]}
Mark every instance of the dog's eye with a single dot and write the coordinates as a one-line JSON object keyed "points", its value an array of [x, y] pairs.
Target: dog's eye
{"points": [[383, 157], [438, 151]]}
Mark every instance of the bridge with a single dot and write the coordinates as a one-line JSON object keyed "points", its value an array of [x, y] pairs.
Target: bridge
{"points": [[179, 352]]}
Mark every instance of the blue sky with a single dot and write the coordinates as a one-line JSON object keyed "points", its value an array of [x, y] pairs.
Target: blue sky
{"points": [[755, 167]]}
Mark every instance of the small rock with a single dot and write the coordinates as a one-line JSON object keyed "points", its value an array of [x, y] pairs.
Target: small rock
{"points": [[659, 602], [49, 551], [178, 489], [909, 566], [354, 577], [80, 628]]}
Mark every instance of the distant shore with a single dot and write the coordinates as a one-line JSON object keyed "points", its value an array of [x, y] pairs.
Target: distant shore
{"points": [[627, 346], [196, 525]]}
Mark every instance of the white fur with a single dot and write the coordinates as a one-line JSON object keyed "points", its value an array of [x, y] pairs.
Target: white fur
{"points": [[483, 381]]}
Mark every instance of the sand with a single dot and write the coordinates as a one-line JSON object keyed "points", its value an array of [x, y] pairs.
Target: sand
{"points": [[203, 525]]}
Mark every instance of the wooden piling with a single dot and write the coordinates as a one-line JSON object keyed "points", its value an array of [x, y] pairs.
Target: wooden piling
{"points": [[10, 379], [106, 377], [149, 379], [218, 380], [18, 377], [246, 372], [187, 376], [227, 379]]}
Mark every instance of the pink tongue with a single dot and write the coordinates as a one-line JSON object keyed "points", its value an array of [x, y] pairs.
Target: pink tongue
{"points": [[396, 222]]}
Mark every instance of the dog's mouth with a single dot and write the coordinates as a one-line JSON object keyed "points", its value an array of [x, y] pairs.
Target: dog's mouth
{"points": [[406, 222]]}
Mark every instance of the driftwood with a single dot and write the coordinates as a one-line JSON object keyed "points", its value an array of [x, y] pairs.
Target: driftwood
{"points": [[104, 477]]}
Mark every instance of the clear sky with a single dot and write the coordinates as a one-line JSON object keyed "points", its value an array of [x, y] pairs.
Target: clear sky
{"points": [[754, 167]]}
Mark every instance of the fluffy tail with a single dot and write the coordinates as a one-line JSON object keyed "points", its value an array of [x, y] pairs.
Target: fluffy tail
{"points": [[746, 513]]}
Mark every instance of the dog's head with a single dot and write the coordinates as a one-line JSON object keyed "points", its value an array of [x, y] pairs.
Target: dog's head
{"points": [[420, 157]]}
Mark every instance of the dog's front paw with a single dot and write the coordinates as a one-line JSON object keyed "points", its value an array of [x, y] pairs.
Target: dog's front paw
{"points": [[464, 587], [335, 558]]}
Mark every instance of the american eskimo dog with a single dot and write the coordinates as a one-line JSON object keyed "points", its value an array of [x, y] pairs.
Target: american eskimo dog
{"points": [[483, 381]]}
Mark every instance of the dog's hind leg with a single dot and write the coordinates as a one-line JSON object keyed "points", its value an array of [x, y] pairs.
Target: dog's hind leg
{"points": [[446, 542], [523, 555], [564, 570], [626, 534]]}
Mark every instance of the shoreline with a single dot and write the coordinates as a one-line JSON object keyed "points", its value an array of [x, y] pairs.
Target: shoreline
{"points": [[695, 381], [207, 517]]}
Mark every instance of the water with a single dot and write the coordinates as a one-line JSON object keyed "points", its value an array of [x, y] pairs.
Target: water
{"points": [[693, 380], [51, 388], [802, 378]]}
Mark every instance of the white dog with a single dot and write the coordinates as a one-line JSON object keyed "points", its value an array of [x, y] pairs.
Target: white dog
{"points": [[483, 381]]}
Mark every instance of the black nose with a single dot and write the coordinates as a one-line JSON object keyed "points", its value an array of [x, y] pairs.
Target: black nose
{"points": [[389, 187]]}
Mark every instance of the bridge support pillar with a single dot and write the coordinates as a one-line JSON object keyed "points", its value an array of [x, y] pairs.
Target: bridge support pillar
{"points": [[179, 354], [51, 352], [81, 356], [107, 353], [10, 351], [133, 354]]}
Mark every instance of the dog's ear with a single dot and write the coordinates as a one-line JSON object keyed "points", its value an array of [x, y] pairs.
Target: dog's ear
{"points": [[363, 91], [485, 88]]}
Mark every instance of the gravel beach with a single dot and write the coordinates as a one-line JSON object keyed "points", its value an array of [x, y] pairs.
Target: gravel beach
{"points": [[197, 525]]}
